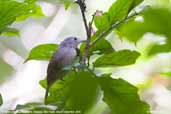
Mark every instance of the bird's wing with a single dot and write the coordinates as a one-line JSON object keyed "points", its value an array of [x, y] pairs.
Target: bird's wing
{"points": [[63, 57]]}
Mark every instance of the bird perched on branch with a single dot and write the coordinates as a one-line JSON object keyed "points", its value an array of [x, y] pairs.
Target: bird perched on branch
{"points": [[64, 56]]}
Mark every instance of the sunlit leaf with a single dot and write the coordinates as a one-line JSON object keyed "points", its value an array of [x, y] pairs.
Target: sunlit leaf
{"points": [[32, 10], [133, 30], [117, 58], [122, 97], [118, 11], [135, 3], [11, 10], [157, 48], [154, 20], [67, 3], [42, 52], [102, 22]]}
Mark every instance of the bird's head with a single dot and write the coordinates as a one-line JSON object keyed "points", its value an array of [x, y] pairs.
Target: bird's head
{"points": [[71, 42]]}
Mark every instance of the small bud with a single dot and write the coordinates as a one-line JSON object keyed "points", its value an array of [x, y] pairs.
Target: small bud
{"points": [[98, 13], [92, 31]]}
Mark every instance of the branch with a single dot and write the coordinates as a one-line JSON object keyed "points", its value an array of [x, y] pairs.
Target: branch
{"points": [[82, 6], [105, 32], [91, 23]]}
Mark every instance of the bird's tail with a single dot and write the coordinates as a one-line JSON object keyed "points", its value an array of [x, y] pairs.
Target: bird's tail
{"points": [[46, 95]]}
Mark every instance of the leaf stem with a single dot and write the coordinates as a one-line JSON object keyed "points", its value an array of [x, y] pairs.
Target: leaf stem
{"points": [[105, 32], [91, 23]]}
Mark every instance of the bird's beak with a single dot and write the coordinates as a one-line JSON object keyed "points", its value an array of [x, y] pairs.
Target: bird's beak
{"points": [[82, 41]]}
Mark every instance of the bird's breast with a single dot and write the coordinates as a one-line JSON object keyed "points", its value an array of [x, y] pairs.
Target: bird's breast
{"points": [[66, 55]]}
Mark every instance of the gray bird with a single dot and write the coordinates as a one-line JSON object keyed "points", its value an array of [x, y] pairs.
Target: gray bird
{"points": [[64, 56]]}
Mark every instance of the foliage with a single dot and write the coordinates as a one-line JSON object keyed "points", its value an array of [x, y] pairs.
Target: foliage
{"points": [[11, 10], [122, 97], [42, 52], [6, 70], [1, 100], [101, 47], [82, 89], [159, 48], [154, 20], [118, 11], [118, 58]]}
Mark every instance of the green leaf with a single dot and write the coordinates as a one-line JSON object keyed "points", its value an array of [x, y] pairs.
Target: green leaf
{"points": [[118, 11], [11, 10], [32, 10], [102, 47], [102, 22], [157, 48], [117, 58], [122, 97], [6, 70], [67, 3], [1, 100], [155, 20], [135, 3], [166, 73], [11, 32], [42, 52], [133, 30], [78, 91]]}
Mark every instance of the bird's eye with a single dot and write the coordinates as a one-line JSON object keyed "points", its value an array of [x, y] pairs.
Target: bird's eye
{"points": [[75, 38]]}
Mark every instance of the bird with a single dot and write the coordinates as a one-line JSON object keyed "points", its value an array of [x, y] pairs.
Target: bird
{"points": [[64, 56]]}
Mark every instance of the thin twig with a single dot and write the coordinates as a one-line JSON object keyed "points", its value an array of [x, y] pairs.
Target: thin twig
{"points": [[82, 6], [83, 9], [91, 23], [104, 33], [90, 31]]}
